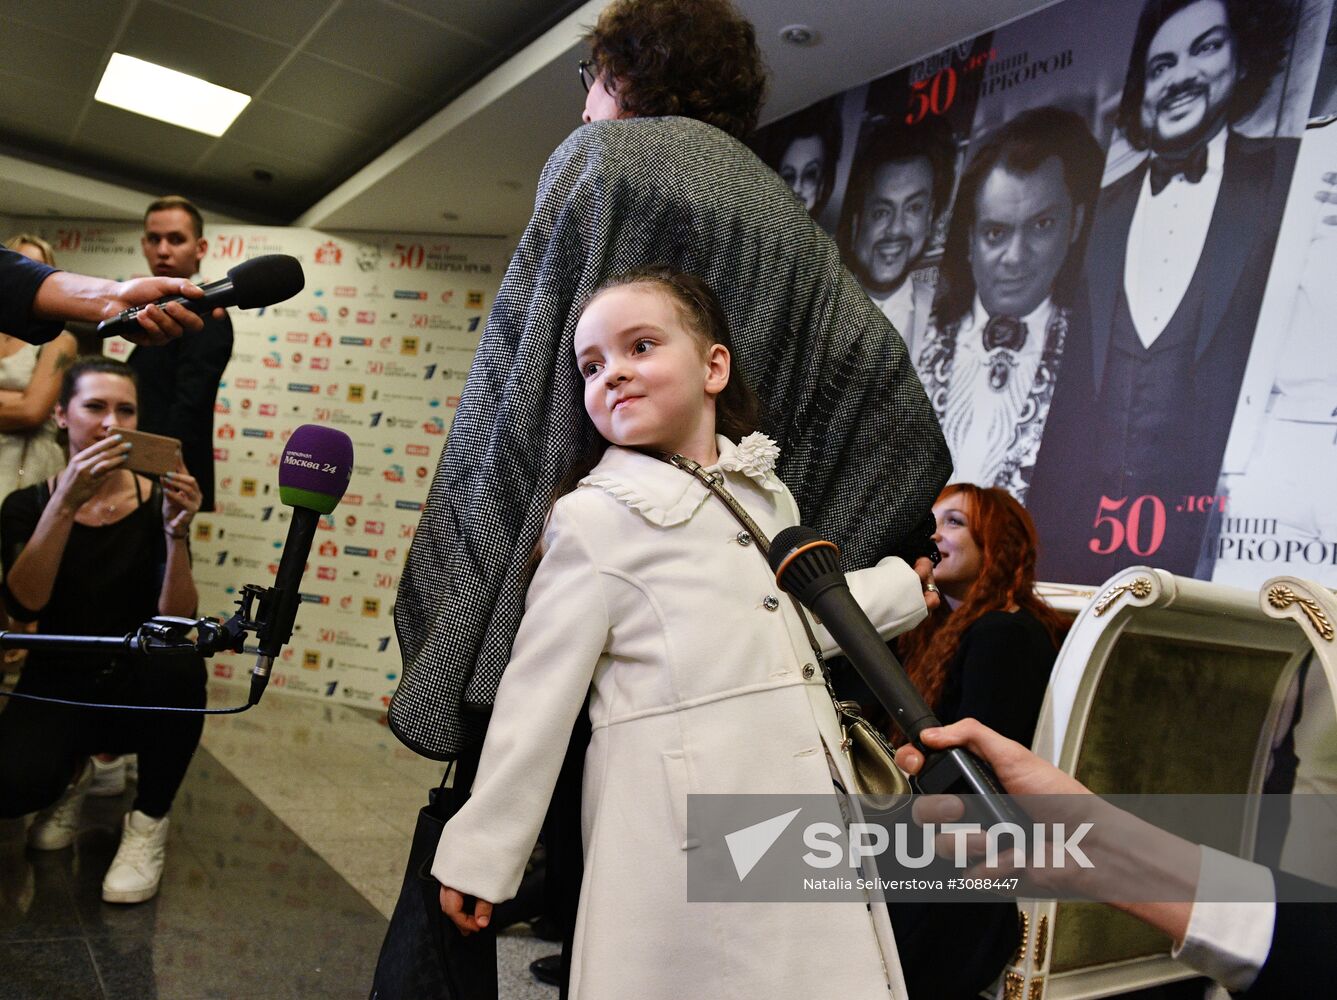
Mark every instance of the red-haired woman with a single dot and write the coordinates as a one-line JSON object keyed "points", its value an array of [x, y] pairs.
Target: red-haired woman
{"points": [[988, 653]]}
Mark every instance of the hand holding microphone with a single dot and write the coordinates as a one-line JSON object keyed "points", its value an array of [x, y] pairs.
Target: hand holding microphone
{"points": [[260, 281]]}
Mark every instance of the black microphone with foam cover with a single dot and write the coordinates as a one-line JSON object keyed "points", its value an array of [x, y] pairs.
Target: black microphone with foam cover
{"points": [[805, 565], [260, 281], [313, 475]]}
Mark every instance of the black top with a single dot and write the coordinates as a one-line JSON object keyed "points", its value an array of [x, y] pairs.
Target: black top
{"points": [[19, 280], [178, 383], [109, 577], [1301, 961], [999, 674]]}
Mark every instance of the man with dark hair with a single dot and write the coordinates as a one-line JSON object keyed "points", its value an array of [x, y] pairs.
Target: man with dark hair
{"points": [[1180, 251], [1007, 278], [900, 185], [178, 382]]}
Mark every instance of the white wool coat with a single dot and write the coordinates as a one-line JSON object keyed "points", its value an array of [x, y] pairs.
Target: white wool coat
{"points": [[646, 599]]}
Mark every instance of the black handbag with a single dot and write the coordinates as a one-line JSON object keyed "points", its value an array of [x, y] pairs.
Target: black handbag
{"points": [[424, 956]]}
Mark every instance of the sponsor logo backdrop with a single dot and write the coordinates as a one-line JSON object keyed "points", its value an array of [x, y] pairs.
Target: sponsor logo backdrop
{"points": [[378, 344]]}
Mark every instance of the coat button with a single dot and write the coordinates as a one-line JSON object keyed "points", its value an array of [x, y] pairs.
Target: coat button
{"points": [[744, 538], [808, 671], [770, 602]]}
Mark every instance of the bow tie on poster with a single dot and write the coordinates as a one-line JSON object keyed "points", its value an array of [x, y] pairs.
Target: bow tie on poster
{"points": [[1190, 167], [1004, 331]]}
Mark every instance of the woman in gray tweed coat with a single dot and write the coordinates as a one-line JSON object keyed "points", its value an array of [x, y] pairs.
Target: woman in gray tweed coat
{"points": [[656, 175]]}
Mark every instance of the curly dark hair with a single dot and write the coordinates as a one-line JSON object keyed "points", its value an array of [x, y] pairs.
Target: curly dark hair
{"points": [[892, 141], [694, 58], [1262, 35], [1020, 146]]}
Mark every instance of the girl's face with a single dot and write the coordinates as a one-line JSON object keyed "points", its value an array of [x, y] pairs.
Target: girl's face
{"points": [[102, 404], [961, 556], [649, 383]]}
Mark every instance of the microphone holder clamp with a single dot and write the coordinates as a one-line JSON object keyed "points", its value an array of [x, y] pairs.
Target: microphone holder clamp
{"points": [[169, 635]]}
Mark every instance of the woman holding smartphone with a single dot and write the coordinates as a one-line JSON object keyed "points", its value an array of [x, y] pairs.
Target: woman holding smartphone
{"points": [[99, 550]]}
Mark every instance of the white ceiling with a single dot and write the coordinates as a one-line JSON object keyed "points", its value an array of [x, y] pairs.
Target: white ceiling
{"points": [[472, 167]]}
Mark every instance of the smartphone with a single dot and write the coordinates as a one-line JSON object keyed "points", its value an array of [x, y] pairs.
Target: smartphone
{"points": [[152, 454]]}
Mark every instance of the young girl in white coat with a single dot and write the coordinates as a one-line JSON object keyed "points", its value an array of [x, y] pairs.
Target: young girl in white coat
{"points": [[700, 675]]}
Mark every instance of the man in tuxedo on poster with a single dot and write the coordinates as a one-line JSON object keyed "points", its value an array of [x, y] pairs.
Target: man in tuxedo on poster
{"points": [[901, 183], [1014, 251], [1179, 255]]}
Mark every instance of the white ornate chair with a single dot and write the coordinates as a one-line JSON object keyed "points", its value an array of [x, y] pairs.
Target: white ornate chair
{"points": [[1164, 684], [1311, 849]]}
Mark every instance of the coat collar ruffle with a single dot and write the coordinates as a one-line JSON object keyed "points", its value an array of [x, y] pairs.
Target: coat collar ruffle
{"points": [[667, 496]]}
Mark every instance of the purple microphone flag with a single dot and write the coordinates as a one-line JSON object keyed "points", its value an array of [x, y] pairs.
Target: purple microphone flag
{"points": [[316, 466]]}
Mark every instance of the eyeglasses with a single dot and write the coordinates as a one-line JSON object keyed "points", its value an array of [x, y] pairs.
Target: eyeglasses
{"points": [[588, 74]]}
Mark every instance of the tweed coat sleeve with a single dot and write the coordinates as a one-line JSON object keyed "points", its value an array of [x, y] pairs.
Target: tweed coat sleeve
{"points": [[860, 445]]}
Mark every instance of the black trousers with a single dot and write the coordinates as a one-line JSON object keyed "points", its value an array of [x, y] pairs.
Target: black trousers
{"points": [[42, 744]]}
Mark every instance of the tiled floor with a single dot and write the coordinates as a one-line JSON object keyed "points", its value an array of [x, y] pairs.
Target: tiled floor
{"points": [[286, 850]]}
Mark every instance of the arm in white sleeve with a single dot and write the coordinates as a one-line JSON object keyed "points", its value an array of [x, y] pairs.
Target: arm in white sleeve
{"points": [[484, 847], [890, 594], [1229, 941]]}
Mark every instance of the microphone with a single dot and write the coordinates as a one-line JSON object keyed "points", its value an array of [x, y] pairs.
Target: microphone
{"points": [[805, 565], [313, 475], [260, 281]]}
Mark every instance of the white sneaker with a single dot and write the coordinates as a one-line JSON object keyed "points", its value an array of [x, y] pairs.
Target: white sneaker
{"points": [[55, 826], [108, 777], [137, 868]]}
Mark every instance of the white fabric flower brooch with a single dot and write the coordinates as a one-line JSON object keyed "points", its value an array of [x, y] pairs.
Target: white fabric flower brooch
{"points": [[754, 456]]}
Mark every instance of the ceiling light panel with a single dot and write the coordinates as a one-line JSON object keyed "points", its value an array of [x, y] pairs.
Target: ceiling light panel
{"points": [[154, 91]]}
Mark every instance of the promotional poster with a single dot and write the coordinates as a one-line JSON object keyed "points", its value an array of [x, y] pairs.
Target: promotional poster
{"points": [[1103, 231]]}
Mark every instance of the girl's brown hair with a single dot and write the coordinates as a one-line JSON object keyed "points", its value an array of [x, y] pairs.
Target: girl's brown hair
{"points": [[737, 410]]}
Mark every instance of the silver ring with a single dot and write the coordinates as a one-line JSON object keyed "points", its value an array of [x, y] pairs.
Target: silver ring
{"points": [[930, 588]]}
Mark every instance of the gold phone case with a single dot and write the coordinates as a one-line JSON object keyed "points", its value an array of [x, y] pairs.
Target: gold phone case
{"points": [[152, 454]]}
